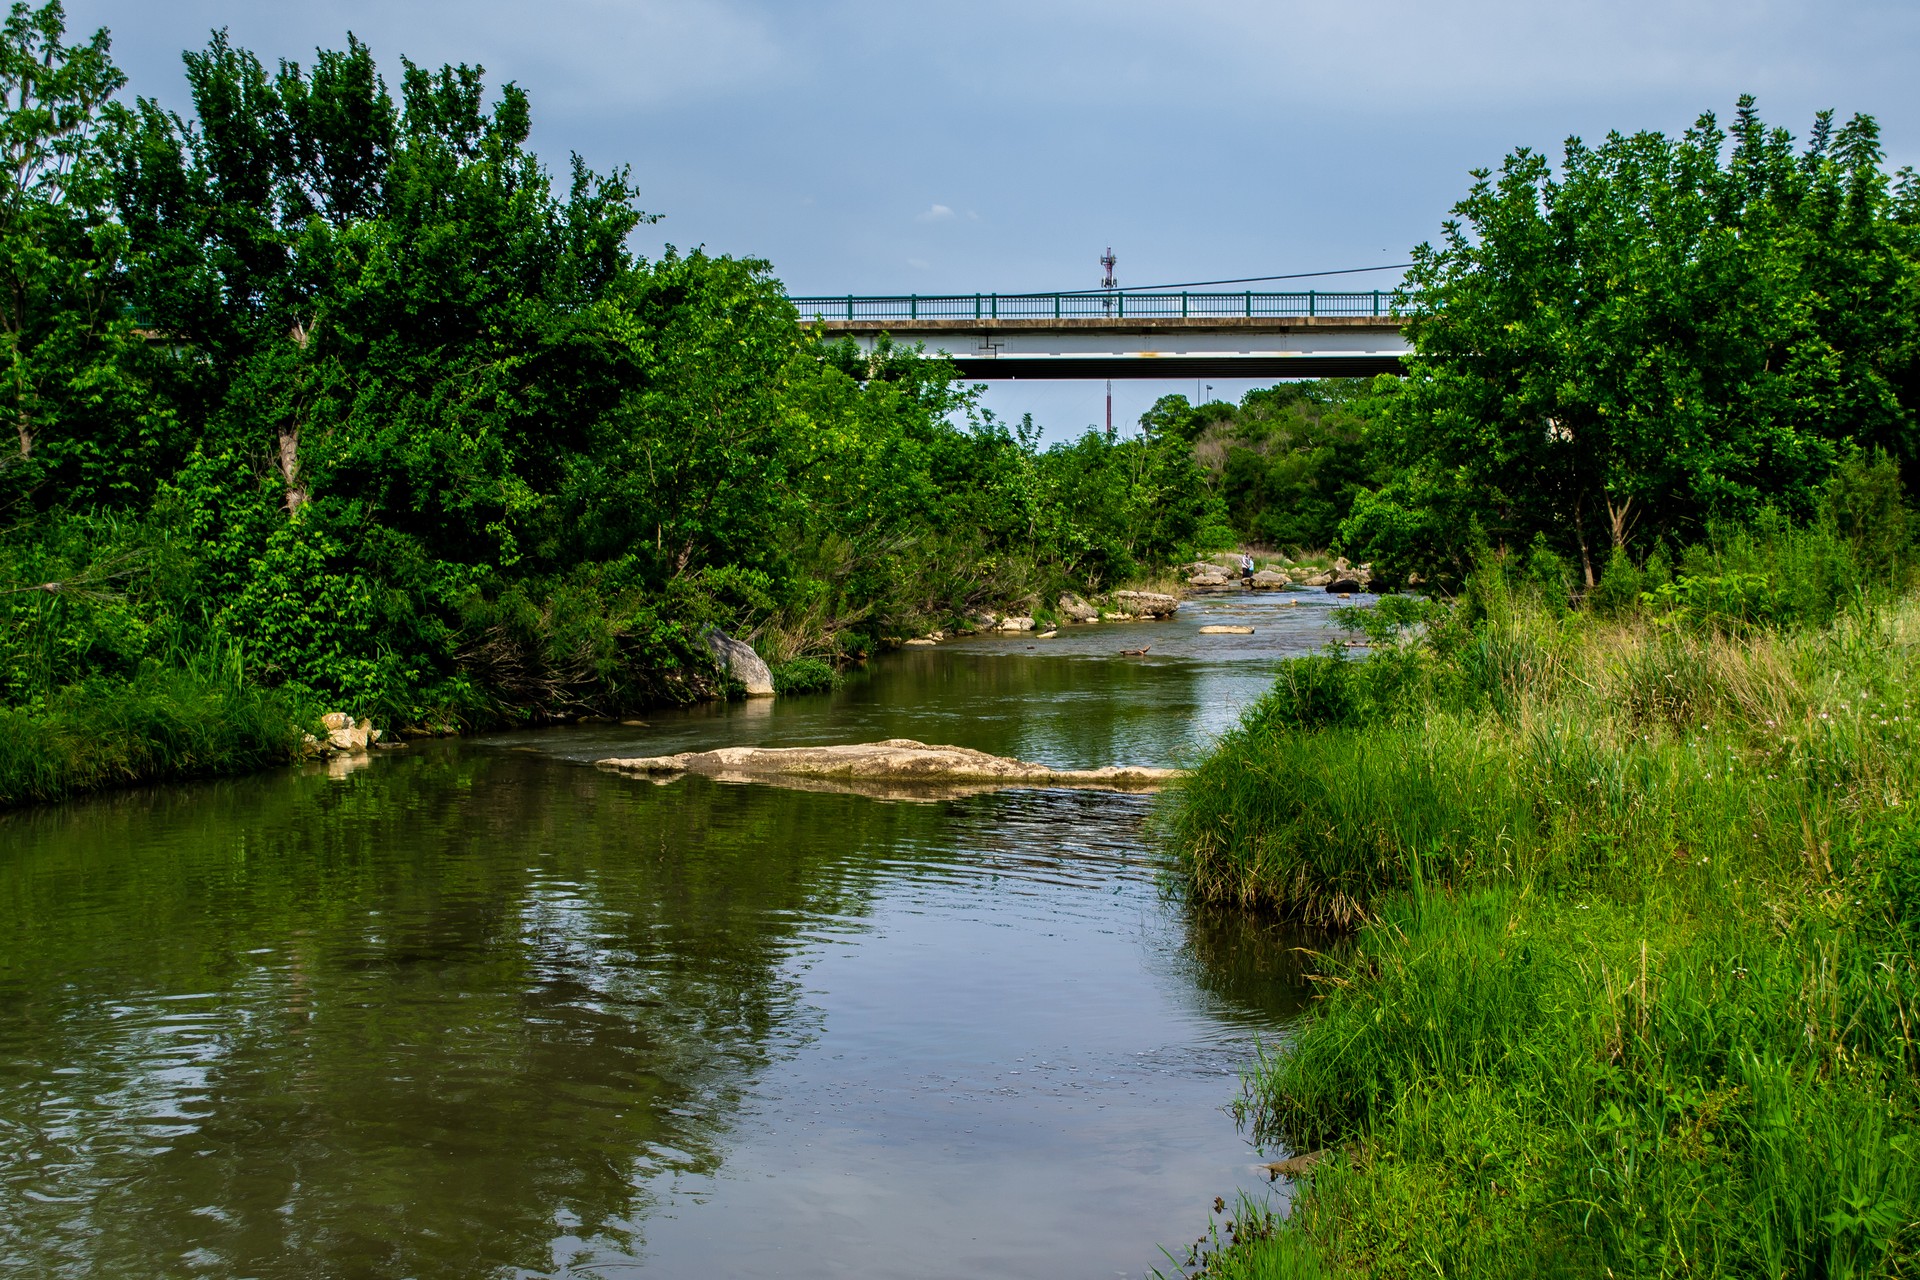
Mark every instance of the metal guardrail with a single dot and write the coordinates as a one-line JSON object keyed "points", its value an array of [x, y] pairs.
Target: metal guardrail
{"points": [[1096, 306]]}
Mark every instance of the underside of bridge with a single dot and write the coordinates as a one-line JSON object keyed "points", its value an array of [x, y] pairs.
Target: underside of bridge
{"points": [[1116, 347], [1275, 367]]}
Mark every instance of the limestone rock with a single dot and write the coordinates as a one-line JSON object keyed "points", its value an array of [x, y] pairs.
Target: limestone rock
{"points": [[1016, 622], [1074, 609], [1316, 580], [737, 659], [1295, 1166], [1344, 586], [1223, 630], [336, 720], [353, 739], [920, 640], [1271, 578], [896, 760], [1145, 604]]}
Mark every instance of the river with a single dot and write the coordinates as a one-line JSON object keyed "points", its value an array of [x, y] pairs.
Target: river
{"points": [[476, 1008]]}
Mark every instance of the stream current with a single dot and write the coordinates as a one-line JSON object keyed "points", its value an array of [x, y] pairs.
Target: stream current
{"points": [[478, 1009]]}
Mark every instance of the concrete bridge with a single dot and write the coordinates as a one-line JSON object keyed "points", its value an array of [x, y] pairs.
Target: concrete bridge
{"points": [[1115, 334]]}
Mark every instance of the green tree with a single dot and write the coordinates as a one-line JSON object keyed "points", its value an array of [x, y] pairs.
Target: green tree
{"points": [[1659, 333], [84, 427]]}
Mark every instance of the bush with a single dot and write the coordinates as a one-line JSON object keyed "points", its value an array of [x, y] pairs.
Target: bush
{"points": [[804, 675]]}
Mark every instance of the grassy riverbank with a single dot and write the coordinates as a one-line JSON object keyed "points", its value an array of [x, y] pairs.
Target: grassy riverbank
{"points": [[1623, 977]]}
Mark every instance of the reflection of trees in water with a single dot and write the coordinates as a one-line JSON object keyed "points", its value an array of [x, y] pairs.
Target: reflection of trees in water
{"points": [[1077, 712], [494, 993], [1254, 966]]}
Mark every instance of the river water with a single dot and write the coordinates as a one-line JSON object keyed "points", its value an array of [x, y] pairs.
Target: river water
{"points": [[479, 1009]]}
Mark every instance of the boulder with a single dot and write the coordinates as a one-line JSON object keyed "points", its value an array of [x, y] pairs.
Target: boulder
{"points": [[1145, 604], [1316, 580], [738, 660], [1220, 629], [336, 720], [1341, 565], [350, 739], [1016, 622], [1344, 586], [920, 640], [1271, 578], [1074, 609]]}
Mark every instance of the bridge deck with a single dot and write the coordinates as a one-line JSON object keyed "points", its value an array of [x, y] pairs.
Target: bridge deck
{"points": [[1238, 335]]}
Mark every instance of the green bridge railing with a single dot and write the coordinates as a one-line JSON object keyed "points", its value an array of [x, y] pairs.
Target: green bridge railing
{"points": [[1095, 306]]}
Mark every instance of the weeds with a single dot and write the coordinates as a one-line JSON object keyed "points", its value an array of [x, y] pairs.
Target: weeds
{"points": [[1634, 980]]}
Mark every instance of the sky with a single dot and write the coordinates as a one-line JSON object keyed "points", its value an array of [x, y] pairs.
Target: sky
{"points": [[888, 147]]}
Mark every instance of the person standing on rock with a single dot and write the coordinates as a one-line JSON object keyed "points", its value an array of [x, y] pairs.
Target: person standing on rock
{"points": [[1246, 570]]}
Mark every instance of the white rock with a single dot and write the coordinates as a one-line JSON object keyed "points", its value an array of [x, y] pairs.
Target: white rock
{"points": [[737, 659]]}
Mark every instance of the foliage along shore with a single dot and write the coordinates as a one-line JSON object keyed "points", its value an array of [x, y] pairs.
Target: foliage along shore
{"points": [[1623, 915], [1615, 851], [327, 396]]}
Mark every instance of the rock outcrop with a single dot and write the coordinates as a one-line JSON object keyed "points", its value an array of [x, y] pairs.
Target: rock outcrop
{"points": [[344, 737], [1016, 622], [1145, 604], [738, 660], [895, 762], [1075, 609], [1208, 579]]}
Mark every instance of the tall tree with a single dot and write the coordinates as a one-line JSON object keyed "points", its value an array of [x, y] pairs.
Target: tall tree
{"points": [[1660, 332], [80, 421]]}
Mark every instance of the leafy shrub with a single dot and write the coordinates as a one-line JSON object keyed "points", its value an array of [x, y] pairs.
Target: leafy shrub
{"points": [[804, 675]]}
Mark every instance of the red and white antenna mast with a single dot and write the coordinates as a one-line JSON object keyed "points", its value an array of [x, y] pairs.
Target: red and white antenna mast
{"points": [[1107, 281]]}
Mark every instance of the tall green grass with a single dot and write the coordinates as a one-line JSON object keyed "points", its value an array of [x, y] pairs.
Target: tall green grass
{"points": [[165, 722], [1628, 973]]}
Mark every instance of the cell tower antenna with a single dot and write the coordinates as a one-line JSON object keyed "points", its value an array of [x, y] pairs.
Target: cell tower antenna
{"points": [[1107, 281]]}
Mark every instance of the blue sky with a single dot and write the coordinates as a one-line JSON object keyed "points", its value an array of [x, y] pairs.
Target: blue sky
{"points": [[919, 147]]}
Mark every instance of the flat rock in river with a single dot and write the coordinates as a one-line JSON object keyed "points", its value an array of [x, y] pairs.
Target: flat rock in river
{"points": [[894, 761]]}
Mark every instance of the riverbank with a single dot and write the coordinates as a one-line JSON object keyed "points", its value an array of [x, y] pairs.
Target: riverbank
{"points": [[1624, 955], [202, 715]]}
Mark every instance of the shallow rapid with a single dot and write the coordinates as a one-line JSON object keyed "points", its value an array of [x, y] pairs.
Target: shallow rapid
{"points": [[480, 1009]]}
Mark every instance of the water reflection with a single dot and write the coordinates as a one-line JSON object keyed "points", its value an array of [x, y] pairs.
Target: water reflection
{"points": [[471, 1011]]}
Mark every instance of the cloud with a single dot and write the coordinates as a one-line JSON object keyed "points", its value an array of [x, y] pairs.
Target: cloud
{"points": [[580, 56], [938, 213]]}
